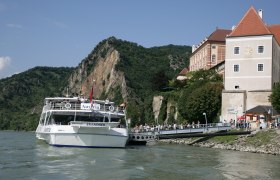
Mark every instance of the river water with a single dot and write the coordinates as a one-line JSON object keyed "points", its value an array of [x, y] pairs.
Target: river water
{"points": [[24, 157]]}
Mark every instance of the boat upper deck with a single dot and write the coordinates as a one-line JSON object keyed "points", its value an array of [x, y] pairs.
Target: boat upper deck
{"points": [[83, 105]]}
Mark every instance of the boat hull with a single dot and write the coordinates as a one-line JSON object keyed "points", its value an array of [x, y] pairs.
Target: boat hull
{"points": [[77, 122], [85, 137]]}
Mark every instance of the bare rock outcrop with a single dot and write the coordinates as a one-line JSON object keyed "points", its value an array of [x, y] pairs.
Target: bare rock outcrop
{"points": [[98, 70]]}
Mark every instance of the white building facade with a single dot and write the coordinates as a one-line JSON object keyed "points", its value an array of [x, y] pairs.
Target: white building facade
{"points": [[252, 65]]}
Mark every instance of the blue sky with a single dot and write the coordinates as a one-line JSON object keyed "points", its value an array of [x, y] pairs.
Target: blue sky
{"points": [[62, 32]]}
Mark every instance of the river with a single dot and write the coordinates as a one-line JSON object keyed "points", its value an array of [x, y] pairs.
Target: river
{"points": [[24, 157]]}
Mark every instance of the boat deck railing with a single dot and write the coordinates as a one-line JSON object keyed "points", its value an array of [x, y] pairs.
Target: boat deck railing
{"points": [[78, 106]]}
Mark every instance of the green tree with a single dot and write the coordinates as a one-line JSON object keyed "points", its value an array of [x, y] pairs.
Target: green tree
{"points": [[200, 77], [147, 71], [275, 96], [22, 95], [205, 99], [202, 93], [159, 80]]}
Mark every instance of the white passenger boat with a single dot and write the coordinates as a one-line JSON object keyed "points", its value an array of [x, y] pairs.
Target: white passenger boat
{"points": [[76, 122]]}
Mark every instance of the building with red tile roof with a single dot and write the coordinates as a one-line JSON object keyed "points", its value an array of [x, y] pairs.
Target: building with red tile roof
{"points": [[275, 30], [210, 52], [250, 25], [252, 64], [183, 74]]}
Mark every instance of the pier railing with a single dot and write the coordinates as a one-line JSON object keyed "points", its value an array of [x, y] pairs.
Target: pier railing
{"points": [[182, 128], [146, 133]]}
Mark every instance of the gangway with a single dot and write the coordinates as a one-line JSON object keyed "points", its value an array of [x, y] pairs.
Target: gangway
{"points": [[142, 136]]}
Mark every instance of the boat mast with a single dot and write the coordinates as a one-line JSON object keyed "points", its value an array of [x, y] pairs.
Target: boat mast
{"points": [[75, 112], [67, 95], [91, 94]]}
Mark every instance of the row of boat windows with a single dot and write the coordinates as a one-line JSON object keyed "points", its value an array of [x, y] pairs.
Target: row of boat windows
{"points": [[66, 119]]}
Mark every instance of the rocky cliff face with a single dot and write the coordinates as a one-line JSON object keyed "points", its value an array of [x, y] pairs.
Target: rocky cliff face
{"points": [[157, 101], [170, 109], [98, 70]]}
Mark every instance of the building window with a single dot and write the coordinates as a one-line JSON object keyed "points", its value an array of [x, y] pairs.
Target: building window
{"points": [[236, 50], [260, 49], [260, 67], [213, 58], [213, 47], [236, 87], [236, 68]]}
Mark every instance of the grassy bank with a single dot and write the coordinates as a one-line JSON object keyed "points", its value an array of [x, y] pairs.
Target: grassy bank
{"points": [[263, 141]]}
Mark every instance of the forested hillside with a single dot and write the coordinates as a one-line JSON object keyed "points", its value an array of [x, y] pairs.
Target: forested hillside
{"points": [[149, 69], [124, 72], [22, 95], [148, 72], [127, 72]]}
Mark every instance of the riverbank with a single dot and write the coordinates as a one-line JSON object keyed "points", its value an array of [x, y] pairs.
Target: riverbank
{"points": [[266, 141]]}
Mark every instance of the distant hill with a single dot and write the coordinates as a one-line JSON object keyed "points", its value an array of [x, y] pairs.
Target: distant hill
{"points": [[22, 95], [119, 70]]}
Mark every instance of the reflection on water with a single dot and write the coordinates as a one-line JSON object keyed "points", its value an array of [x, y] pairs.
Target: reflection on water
{"points": [[236, 165], [23, 157], [78, 163]]}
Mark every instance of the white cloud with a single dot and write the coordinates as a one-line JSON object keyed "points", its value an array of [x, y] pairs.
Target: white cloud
{"points": [[4, 62], [17, 26]]}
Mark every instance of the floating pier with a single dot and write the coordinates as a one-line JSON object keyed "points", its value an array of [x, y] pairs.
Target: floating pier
{"points": [[143, 136]]}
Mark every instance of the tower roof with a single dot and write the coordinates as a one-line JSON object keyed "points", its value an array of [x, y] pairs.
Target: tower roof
{"points": [[251, 24]]}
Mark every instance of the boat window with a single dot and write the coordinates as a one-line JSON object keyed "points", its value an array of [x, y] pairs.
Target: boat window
{"points": [[115, 119], [106, 119], [62, 119], [96, 119], [66, 119]]}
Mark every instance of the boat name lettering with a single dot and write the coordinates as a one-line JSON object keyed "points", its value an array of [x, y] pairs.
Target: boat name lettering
{"points": [[95, 124], [87, 106]]}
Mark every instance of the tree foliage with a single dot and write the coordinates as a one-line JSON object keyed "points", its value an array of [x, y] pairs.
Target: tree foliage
{"points": [[22, 95], [159, 81], [147, 71], [202, 94], [206, 99], [275, 97]]}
